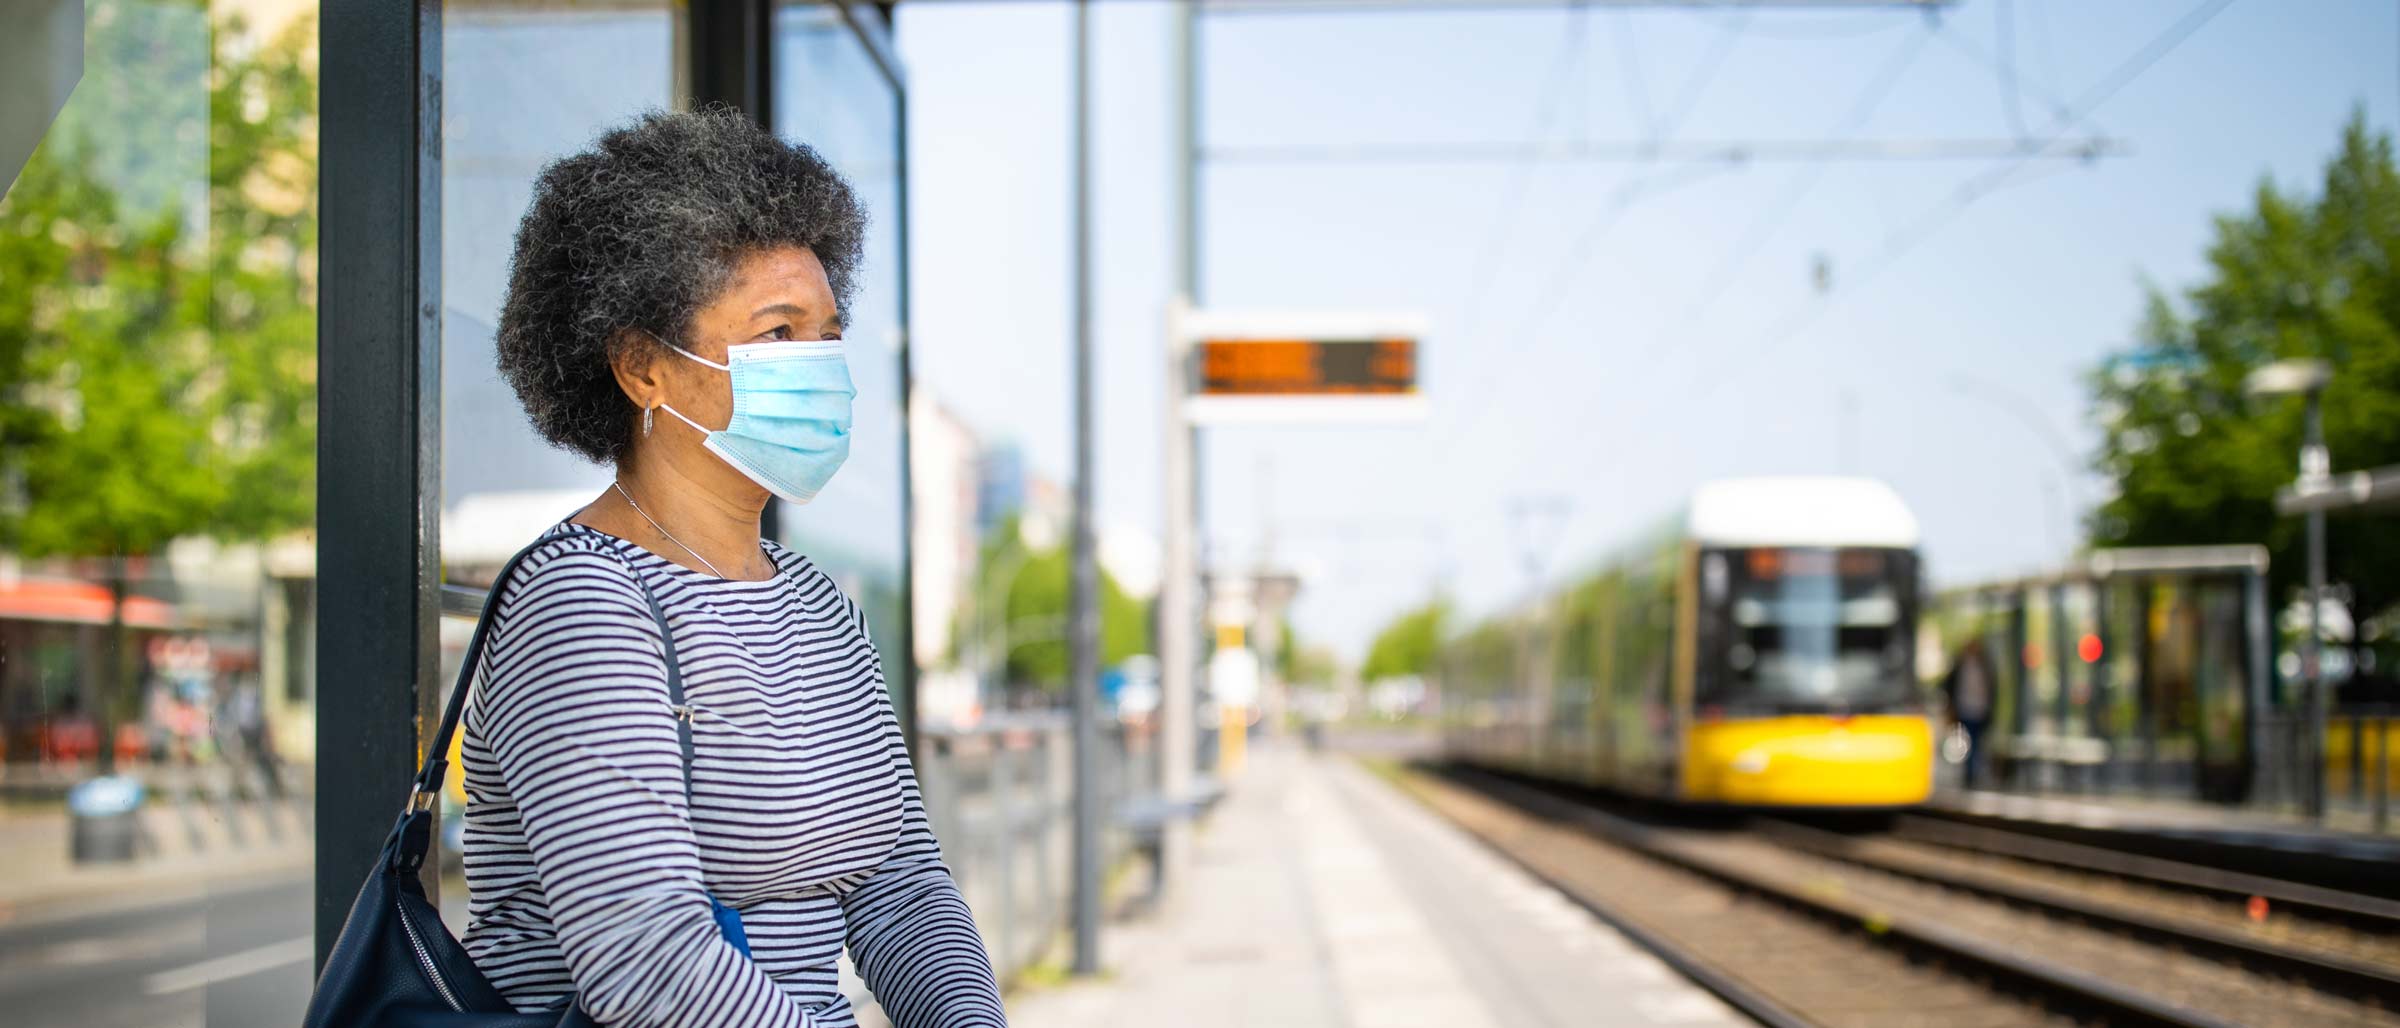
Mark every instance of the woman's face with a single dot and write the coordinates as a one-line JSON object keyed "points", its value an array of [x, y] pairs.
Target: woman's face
{"points": [[772, 295]]}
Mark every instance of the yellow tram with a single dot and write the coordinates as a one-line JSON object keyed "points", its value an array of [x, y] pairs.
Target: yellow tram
{"points": [[1757, 651]]}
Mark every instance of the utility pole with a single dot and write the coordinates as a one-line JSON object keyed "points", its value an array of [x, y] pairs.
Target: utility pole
{"points": [[1178, 609], [1536, 522], [1083, 601]]}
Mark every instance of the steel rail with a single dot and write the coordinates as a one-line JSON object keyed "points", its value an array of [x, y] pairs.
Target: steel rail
{"points": [[2372, 913], [2331, 971]]}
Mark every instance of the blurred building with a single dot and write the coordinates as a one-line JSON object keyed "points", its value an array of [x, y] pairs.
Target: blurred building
{"points": [[946, 486], [999, 487]]}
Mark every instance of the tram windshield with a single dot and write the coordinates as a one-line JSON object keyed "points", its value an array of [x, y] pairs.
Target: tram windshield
{"points": [[1807, 629]]}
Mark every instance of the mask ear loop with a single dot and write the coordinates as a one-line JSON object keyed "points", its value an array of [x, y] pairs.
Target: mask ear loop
{"points": [[669, 408], [701, 359], [662, 342]]}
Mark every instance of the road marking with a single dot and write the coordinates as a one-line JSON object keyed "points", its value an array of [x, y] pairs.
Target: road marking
{"points": [[230, 966]]}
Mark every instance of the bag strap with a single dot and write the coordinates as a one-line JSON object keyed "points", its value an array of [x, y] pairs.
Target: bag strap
{"points": [[428, 782], [684, 712]]}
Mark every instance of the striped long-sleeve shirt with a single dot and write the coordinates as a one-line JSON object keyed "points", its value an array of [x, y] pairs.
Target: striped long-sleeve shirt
{"points": [[590, 873]]}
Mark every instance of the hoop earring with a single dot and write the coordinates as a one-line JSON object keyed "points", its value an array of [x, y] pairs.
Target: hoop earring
{"points": [[646, 414]]}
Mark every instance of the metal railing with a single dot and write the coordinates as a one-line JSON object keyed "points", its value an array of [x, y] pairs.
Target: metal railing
{"points": [[1000, 794], [2358, 773]]}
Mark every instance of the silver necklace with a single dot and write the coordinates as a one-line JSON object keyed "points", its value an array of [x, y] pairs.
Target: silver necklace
{"points": [[662, 529]]}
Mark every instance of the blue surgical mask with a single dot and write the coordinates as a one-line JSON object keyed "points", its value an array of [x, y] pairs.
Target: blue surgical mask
{"points": [[791, 414]]}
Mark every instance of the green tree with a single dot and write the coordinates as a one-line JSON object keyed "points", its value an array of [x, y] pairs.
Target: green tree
{"points": [[1410, 644], [1024, 596], [2298, 275], [1314, 666], [159, 364]]}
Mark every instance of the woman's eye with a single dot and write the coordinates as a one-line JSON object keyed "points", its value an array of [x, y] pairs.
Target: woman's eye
{"points": [[778, 332]]}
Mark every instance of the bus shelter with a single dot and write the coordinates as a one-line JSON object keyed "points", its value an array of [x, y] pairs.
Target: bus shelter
{"points": [[2136, 671], [436, 117]]}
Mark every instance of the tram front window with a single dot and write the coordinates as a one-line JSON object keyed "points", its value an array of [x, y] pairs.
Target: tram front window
{"points": [[1807, 630]]}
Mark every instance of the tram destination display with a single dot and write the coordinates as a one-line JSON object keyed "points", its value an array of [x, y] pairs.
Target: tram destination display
{"points": [[1308, 367], [1273, 367]]}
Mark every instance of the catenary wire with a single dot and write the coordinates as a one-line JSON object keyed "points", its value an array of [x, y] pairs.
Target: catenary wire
{"points": [[1564, 271], [1925, 225], [2126, 71]]}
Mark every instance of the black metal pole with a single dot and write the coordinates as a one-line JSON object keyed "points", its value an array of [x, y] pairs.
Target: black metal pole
{"points": [[1084, 601], [730, 51], [379, 429], [872, 27], [909, 710], [2020, 678], [2145, 684], [2099, 712], [2062, 657], [731, 54], [2315, 467]]}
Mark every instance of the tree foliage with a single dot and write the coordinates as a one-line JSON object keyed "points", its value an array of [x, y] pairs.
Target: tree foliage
{"points": [[1313, 665], [159, 356], [1023, 595], [2313, 274], [157, 303], [1410, 644]]}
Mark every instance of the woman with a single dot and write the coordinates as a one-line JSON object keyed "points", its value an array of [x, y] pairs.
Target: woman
{"points": [[675, 311]]}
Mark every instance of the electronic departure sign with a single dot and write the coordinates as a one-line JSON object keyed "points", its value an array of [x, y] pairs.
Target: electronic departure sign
{"points": [[1307, 367], [1269, 367]]}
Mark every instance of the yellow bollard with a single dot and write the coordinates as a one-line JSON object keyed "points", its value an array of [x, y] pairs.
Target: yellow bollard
{"points": [[1232, 734]]}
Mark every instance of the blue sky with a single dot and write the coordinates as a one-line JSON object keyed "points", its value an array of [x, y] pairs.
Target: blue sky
{"points": [[1613, 358]]}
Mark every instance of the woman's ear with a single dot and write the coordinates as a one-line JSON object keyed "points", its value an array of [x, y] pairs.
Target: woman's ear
{"points": [[633, 359]]}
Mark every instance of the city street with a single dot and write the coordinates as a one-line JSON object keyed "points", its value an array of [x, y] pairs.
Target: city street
{"points": [[237, 956]]}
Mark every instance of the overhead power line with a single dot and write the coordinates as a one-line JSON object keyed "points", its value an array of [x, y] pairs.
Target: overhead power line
{"points": [[1546, 108], [1693, 151], [2088, 101], [1565, 271], [1764, 227], [1908, 237], [1222, 7]]}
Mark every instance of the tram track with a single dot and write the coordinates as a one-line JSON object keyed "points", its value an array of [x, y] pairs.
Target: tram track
{"points": [[2214, 888], [2330, 959], [1893, 934]]}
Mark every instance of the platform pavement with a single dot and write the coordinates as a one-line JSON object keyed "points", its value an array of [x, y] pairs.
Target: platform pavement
{"points": [[1320, 896]]}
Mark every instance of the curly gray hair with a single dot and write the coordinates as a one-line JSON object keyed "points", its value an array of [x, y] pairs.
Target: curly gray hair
{"points": [[640, 232]]}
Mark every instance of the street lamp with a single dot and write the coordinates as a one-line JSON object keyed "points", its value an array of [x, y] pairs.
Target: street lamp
{"points": [[2307, 378]]}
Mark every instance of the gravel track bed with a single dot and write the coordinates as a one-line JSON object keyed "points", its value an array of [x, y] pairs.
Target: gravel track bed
{"points": [[2281, 926]]}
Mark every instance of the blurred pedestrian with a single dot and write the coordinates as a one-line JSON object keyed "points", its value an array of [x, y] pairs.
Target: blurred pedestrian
{"points": [[1969, 687], [246, 711]]}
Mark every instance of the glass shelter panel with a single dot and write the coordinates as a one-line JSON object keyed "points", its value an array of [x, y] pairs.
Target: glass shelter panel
{"points": [[524, 82], [831, 94], [158, 342]]}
